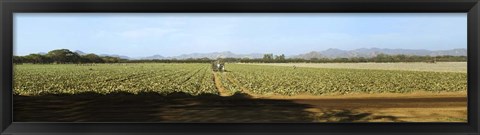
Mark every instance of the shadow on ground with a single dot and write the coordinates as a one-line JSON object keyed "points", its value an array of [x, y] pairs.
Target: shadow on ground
{"points": [[345, 115], [175, 107]]}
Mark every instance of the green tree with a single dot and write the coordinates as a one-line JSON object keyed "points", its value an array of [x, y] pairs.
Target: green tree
{"points": [[280, 58], [92, 58], [19, 59], [268, 57], [63, 56], [36, 58], [109, 59]]}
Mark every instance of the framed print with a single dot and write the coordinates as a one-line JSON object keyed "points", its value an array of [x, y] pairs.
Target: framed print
{"points": [[239, 67]]}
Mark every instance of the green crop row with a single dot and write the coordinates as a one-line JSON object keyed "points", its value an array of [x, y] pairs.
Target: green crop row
{"points": [[107, 78], [318, 81], [198, 78]]}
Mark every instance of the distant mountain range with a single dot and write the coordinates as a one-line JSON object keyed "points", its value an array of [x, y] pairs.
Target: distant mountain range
{"points": [[213, 55], [111, 55], [372, 52], [329, 53]]}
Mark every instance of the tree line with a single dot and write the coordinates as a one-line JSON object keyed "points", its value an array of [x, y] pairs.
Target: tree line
{"points": [[270, 58], [64, 56]]}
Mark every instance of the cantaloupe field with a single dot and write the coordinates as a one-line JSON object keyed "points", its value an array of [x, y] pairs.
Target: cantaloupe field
{"points": [[194, 79]]}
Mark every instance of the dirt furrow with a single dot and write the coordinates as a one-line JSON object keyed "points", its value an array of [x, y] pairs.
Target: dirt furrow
{"points": [[218, 84]]}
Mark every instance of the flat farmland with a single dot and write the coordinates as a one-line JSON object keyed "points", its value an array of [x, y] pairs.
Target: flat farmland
{"points": [[262, 79], [414, 66], [32, 79], [179, 92]]}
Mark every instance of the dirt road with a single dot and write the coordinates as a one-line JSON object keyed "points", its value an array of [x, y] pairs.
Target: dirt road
{"points": [[421, 108], [180, 107]]}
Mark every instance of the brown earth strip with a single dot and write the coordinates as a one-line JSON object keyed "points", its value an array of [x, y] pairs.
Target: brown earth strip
{"points": [[181, 107], [218, 84], [418, 107], [387, 102]]}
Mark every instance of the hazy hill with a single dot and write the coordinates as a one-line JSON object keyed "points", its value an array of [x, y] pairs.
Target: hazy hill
{"points": [[372, 52], [329, 53], [213, 55]]}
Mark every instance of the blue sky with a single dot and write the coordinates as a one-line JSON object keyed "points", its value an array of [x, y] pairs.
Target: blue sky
{"points": [[146, 34]]}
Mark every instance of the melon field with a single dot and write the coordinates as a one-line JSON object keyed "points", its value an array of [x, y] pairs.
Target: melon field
{"points": [[195, 79], [108, 78], [276, 92]]}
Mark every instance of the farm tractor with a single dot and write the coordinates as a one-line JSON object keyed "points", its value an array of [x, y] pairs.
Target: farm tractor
{"points": [[218, 66], [433, 61]]}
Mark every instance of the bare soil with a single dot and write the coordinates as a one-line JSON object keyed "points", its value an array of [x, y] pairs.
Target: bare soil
{"points": [[450, 107], [181, 107], [384, 107], [218, 85]]}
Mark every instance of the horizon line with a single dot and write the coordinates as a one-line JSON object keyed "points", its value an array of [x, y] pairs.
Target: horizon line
{"points": [[238, 53]]}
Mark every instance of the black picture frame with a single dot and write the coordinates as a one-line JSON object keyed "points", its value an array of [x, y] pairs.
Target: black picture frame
{"points": [[8, 7]]}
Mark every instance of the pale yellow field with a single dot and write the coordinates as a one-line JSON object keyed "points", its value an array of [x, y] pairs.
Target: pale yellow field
{"points": [[417, 66]]}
